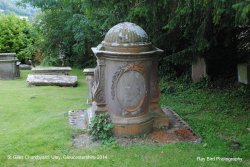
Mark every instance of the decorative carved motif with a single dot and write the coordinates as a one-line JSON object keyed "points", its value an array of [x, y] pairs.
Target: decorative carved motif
{"points": [[98, 85]]}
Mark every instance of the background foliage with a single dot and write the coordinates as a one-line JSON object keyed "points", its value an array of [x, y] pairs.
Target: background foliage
{"points": [[18, 35], [184, 29]]}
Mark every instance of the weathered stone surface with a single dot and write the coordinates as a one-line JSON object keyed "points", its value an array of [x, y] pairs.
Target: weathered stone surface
{"points": [[24, 67], [51, 70], [58, 80], [78, 119], [81, 118], [8, 67]]}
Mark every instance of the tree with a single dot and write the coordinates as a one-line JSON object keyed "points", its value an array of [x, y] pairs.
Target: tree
{"points": [[71, 28], [16, 35], [185, 29]]}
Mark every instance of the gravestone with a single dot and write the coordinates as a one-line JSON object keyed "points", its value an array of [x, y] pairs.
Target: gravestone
{"points": [[8, 66], [199, 69], [126, 82], [244, 73]]}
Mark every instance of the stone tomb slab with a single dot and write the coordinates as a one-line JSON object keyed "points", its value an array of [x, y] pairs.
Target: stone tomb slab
{"points": [[52, 80], [51, 70], [24, 67]]}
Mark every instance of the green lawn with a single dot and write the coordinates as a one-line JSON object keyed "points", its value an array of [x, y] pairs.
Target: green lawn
{"points": [[34, 123]]}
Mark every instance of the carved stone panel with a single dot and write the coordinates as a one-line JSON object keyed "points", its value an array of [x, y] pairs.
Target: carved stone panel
{"points": [[131, 90]]}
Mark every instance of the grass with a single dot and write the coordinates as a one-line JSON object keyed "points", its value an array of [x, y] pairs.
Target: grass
{"points": [[34, 123]]}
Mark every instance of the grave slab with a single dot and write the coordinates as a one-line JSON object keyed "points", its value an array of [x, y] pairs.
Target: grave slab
{"points": [[24, 67], [51, 80], [51, 70]]}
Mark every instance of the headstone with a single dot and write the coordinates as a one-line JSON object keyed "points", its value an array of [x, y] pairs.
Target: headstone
{"points": [[199, 69], [244, 73]]}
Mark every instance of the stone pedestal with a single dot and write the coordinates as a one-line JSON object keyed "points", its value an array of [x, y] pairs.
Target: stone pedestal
{"points": [[125, 81], [199, 69], [8, 68]]}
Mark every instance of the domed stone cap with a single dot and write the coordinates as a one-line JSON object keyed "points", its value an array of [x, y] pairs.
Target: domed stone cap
{"points": [[126, 37]]}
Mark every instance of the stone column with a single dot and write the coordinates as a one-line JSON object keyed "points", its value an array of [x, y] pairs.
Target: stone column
{"points": [[98, 88]]}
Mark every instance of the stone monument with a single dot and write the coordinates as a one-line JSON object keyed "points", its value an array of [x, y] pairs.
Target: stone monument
{"points": [[8, 66], [126, 82], [51, 76]]}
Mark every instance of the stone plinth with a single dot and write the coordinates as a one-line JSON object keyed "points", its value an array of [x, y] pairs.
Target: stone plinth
{"points": [[89, 73], [51, 70], [8, 67], [244, 73], [125, 81], [53, 80]]}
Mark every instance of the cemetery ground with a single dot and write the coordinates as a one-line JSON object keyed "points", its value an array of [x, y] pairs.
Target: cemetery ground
{"points": [[34, 124]]}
